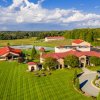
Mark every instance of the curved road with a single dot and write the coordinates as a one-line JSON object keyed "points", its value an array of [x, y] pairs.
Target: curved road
{"points": [[85, 82]]}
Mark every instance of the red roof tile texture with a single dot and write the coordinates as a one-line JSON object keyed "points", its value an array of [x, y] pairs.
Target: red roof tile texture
{"points": [[41, 49], [32, 63], [78, 41], [8, 49], [75, 53]]}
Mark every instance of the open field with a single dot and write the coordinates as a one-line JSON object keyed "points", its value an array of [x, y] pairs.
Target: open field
{"points": [[17, 84], [33, 41], [53, 43], [18, 42]]}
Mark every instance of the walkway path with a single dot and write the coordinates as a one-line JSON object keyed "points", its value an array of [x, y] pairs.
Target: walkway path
{"points": [[85, 81]]}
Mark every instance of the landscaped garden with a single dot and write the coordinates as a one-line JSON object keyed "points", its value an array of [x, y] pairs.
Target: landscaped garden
{"points": [[18, 84]]}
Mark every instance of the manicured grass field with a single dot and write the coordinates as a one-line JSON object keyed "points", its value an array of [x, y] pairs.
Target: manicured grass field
{"points": [[18, 42], [18, 84], [53, 43], [33, 41], [94, 68]]}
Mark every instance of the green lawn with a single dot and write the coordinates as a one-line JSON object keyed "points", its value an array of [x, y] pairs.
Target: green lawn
{"points": [[93, 68], [17, 84], [33, 41], [53, 43], [18, 42]]}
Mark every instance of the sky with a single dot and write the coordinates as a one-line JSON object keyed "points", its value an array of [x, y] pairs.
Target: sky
{"points": [[43, 15]]}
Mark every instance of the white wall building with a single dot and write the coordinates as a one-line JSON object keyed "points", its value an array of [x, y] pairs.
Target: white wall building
{"points": [[77, 44], [47, 39], [32, 66]]}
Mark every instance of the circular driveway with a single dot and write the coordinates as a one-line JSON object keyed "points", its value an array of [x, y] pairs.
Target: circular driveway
{"points": [[85, 82]]}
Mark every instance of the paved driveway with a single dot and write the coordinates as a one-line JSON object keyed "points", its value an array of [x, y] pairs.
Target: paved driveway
{"points": [[85, 82]]}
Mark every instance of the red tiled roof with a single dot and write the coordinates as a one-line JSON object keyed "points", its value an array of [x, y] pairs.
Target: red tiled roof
{"points": [[78, 41], [72, 52], [41, 49], [32, 63], [8, 49], [55, 37]]}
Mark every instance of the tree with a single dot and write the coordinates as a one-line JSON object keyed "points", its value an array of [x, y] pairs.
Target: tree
{"points": [[50, 63], [71, 61], [95, 60], [33, 53]]}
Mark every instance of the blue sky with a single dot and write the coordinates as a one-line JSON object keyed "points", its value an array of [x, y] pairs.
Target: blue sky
{"points": [[49, 14]]}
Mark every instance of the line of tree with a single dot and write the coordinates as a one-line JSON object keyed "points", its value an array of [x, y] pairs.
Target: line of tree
{"points": [[90, 35], [11, 35]]}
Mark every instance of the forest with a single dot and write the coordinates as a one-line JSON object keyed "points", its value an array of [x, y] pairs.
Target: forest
{"points": [[88, 34]]}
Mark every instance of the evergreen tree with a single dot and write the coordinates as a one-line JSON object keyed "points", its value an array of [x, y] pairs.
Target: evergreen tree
{"points": [[33, 53]]}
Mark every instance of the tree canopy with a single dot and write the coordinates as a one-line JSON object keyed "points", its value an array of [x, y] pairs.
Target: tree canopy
{"points": [[50, 63], [95, 60], [85, 34], [71, 61]]}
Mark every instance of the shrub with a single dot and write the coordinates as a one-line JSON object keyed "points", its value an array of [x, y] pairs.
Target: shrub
{"points": [[77, 84], [75, 76]]}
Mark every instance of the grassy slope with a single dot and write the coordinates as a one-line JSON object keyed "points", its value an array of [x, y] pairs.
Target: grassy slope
{"points": [[17, 84]]}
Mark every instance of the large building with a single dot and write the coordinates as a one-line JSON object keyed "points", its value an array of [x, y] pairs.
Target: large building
{"points": [[7, 53], [79, 48], [83, 57], [53, 38], [77, 44]]}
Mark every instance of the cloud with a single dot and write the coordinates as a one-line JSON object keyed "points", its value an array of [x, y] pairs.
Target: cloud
{"points": [[23, 11], [96, 7]]}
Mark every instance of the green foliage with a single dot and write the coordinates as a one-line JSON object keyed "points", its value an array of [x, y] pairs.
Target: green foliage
{"points": [[98, 97], [50, 63], [97, 77], [88, 34], [77, 84], [33, 53], [75, 76], [71, 61], [8, 35], [95, 60]]}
